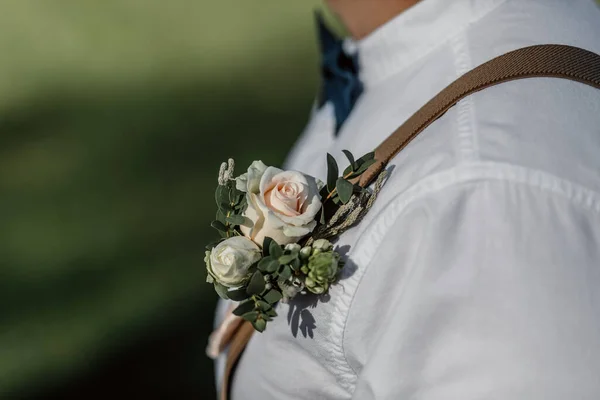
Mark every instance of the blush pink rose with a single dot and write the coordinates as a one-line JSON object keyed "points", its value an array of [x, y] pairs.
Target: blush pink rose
{"points": [[282, 205]]}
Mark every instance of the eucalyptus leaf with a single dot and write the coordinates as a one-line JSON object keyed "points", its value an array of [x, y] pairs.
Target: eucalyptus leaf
{"points": [[287, 258], [244, 308], [236, 219], [259, 324], [272, 266], [251, 316], [350, 158], [256, 284], [364, 166], [295, 264], [272, 313], [286, 273], [267, 246], [221, 216], [263, 264], [365, 158], [221, 290], [218, 225], [272, 296], [348, 172], [275, 249], [333, 172], [344, 189], [226, 207], [238, 295], [222, 195], [263, 305]]}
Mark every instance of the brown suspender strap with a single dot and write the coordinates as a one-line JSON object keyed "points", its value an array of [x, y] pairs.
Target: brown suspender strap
{"points": [[236, 347], [554, 61]]}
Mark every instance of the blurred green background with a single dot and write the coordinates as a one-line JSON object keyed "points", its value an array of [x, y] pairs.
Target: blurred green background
{"points": [[114, 117]]}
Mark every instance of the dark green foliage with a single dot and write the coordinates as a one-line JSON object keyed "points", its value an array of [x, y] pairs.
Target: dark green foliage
{"points": [[332, 172], [244, 308], [272, 296], [256, 284], [344, 190]]}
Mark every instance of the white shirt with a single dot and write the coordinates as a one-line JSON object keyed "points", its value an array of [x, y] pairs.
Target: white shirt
{"points": [[477, 274]]}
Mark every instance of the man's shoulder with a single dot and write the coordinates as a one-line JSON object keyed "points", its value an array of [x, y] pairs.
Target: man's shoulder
{"points": [[544, 124]]}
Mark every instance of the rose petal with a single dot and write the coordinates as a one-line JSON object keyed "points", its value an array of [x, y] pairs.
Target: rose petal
{"points": [[278, 202]]}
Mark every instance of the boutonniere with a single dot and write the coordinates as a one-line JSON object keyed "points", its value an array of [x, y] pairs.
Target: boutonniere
{"points": [[277, 229]]}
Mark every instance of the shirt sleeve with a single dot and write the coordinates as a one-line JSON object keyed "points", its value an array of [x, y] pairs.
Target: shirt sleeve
{"points": [[485, 290]]}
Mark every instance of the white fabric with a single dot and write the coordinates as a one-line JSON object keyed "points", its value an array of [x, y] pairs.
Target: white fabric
{"points": [[477, 274]]}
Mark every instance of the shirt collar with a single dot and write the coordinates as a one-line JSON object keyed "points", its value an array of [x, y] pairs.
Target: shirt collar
{"points": [[414, 33]]}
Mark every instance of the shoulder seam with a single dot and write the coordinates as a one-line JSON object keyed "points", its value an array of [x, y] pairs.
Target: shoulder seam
{"points": [[470, 173]]}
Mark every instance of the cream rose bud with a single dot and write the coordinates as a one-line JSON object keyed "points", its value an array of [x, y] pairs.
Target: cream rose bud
{"points": [[283, 206], [229, 262]]}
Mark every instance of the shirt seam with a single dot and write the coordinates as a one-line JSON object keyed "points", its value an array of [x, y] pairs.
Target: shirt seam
{"points": [[465, 137], [428, 50], [487, 171]]}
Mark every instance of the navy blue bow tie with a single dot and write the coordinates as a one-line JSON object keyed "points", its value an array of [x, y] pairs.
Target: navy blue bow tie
{"points": [[340, 83]]}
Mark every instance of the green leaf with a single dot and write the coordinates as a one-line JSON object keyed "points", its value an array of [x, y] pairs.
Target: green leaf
{"points": [[272, 296], [287, 258], [267, 246], [272, 313], [286, 273], [236, 219], [263, 305], [344, 189], [295, 264], [221, 290], [218, 225], [348, 172], [226, 207], [241, 205], [222, 195], [273, 266], [275, 250], [256, 284], [350, 158], [367, 157], [363, 168], [251, 316], [238, 295], [244, 308], [360, 170], [260, 324], [268, 264], [221, 216], [332, 172]]}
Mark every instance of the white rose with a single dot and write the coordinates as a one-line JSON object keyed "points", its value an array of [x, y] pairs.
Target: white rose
{"points": [[229, 261], [282, 205]]}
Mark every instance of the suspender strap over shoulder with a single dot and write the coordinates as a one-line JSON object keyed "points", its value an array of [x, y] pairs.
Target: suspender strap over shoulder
{"points": [[553, 61]]}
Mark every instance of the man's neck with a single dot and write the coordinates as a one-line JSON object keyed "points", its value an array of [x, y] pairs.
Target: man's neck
{"points": [[361, 17]]}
